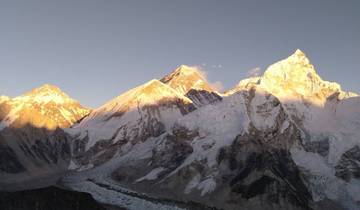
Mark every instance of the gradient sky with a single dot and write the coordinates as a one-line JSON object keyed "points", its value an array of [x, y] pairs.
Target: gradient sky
{"points": [[96, 49]]}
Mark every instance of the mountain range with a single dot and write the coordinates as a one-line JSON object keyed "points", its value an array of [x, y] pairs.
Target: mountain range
{"points": [[283, 140]]}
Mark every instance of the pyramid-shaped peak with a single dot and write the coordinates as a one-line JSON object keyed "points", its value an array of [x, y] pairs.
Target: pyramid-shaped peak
{"points": [[46, 107], [185, 69], [296, 76], [298, 52], [185, 78], [299, 57], [45, 94], [295, 69]]}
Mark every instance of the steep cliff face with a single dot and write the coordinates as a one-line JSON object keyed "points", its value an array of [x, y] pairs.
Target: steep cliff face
{"points": [[32, 141], [203, 97]]}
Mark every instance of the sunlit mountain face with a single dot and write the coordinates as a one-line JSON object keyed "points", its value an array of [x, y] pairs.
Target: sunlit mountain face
{"points": [[284, 140], [33, 143], [186, 78], [46, 106]]}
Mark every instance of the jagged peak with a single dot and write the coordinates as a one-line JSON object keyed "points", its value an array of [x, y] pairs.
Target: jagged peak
{"points": [[298, 57], [185, 78], [296, 66], [299, 53], [185, 69]]}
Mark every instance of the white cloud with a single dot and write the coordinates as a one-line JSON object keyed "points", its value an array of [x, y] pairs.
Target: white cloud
{"points": [[255, 72], [217, 85]]}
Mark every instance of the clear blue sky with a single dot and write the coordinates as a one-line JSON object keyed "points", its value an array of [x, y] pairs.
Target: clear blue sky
{"points": [[96, 49]]}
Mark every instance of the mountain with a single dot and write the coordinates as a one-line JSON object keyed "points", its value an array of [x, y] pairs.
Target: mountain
{"points": [[296, 77], [32, 141], [321, 111], [44, 107], [191, 82], [287, 139], [284, 140], [147, 111], [185, 78], [4, 107]]}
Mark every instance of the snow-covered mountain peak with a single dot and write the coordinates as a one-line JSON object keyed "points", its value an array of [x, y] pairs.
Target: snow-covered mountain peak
{"points": [[187, 70], [46, 88], [45, 94], [294, 69], [299, 56], [245, 84], [295, 78], [185, 78], [46, 106]]}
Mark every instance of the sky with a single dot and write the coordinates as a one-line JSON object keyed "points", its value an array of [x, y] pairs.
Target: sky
{"points": [[95, 50]]}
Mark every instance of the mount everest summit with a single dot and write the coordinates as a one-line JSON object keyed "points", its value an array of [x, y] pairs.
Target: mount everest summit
{"points": [[284, 140]]}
